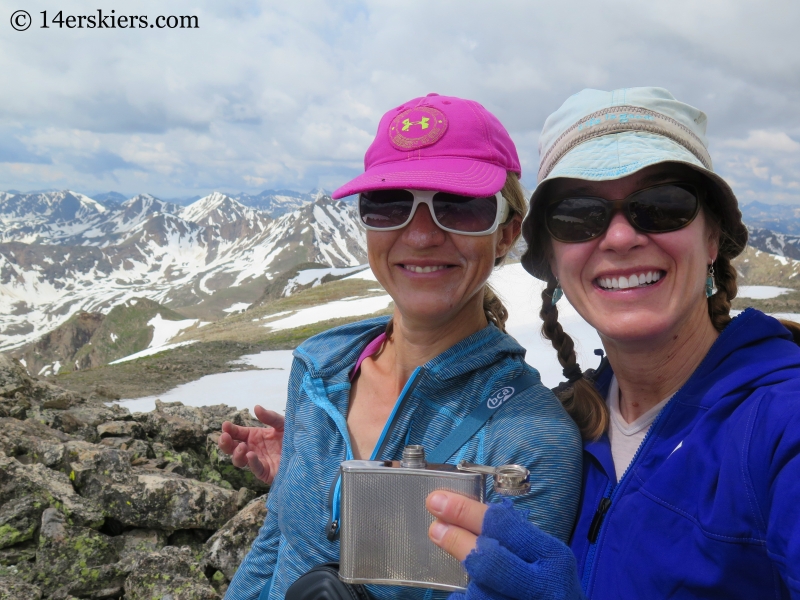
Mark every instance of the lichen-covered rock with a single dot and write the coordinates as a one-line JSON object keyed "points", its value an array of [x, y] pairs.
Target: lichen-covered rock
{"points": [[30, 441], [136, 448], [75, 560], [13, 377], [171, 573], [80, 421], [178, 432], [19, 520], [137, 541], [13, 588], [52, 488], [19, 553], [226, 549], [120, 429], [156, 499]]}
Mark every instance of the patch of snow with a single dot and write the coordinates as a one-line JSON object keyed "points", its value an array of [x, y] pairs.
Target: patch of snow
{"points": [[151, 351], [761, 292], [315, 276], [332, 310], [274, 315], [164, 331], [236, 307], [244, 389], [367, 275]]}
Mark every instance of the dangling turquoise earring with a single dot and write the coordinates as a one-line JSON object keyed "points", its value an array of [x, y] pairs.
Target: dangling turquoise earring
{"points": [[557, 293], [710, 281]]}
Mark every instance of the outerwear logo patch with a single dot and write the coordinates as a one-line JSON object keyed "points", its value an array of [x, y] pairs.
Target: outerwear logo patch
{"points": [[417, 128], [496, 400]]}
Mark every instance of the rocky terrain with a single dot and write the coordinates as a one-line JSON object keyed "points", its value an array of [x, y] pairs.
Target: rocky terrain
{"points": [[98, 503]]}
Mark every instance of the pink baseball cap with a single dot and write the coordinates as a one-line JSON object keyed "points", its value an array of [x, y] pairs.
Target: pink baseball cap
{"points": [[437, 143]]}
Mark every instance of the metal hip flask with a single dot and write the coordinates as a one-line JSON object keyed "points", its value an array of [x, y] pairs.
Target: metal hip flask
{"points": [[384, 522]]}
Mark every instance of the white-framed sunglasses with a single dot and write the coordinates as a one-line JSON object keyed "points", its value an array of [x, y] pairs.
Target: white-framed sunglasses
{"points": [[386, 210]]}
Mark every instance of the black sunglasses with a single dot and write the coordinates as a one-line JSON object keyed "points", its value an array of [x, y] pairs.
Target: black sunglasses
{"points": [[658, 209]]}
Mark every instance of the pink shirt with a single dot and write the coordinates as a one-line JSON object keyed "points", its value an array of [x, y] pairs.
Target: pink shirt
{"points": [[372, 348]]}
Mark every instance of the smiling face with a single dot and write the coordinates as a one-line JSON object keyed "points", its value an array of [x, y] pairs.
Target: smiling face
{"points": [[435, 276], [629, 285]]}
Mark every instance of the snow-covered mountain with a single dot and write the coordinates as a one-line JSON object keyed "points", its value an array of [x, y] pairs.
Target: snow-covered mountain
{"points": [[780, 244], [279, 202], [61, 253]]}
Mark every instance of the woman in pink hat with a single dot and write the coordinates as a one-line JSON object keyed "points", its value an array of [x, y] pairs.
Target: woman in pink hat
{"points": [[442, 205]]}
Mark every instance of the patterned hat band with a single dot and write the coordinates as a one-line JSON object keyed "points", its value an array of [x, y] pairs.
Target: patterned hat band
{"points": [[619, 119]]}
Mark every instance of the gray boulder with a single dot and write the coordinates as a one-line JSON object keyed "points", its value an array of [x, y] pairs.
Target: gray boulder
{"points": [[76, 560], [14, 588], [19, 520], [51, 488], [170, 573], [226, 549]]}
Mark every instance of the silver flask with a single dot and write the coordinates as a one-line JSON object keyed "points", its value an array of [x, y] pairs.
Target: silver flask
{"points": [[384, 523]]}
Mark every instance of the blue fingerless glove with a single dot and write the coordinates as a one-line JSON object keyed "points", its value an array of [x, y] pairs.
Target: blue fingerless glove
{"points": [[516, 560]]}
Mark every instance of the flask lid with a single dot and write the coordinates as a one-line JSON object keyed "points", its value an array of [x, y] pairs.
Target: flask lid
{"points": [[413, 457]]}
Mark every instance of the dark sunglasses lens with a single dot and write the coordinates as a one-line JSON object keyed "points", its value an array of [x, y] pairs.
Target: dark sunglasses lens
{"points": [[663, 208], [385, 208], [464, 213], [577, 219]]}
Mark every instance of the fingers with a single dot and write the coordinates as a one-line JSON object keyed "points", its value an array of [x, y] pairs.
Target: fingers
{"points": [[239, 434], [456, 509], [269, 417], [455, 541], [226, 443], [259, 469], [239, 455]]}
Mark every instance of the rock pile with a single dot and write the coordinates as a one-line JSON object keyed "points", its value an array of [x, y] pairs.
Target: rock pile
{"points": [[96, 502]]}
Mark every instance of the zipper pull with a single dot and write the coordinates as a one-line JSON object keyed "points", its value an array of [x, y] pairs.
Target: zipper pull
{"points": [[333, 531], [597, 521]]}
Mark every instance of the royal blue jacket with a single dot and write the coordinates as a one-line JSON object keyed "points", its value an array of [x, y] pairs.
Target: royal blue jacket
{"points": [[530, 429], [710, 505]]}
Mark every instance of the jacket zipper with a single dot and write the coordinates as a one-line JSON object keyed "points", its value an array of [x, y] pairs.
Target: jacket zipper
{"points": [[588, 567], [332, 529]]}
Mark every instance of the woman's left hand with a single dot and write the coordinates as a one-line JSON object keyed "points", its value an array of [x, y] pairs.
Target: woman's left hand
{"points": [[458, 522], [506, 556]]}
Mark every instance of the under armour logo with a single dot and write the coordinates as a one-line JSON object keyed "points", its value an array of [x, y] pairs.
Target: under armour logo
{"points": [[422, 122]]}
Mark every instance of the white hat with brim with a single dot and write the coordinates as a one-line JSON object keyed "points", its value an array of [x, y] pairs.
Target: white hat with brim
{"points": [[601, 136]]}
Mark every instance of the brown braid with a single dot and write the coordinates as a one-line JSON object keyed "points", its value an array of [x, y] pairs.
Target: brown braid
{"points": [[495, 311], [582, 400], [719, 305]]}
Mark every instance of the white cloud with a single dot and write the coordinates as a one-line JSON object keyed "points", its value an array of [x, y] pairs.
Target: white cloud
{"points": [[273, 94], [771, 141]]}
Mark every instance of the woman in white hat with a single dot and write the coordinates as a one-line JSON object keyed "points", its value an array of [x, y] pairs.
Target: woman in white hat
{"points": [[691, 485]]}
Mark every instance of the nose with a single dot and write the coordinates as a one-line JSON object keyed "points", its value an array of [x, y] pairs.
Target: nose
{"points": [[620, 236], [422, 232]]}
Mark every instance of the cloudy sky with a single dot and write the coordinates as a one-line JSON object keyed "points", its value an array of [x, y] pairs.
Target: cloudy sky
{"points": [[271, 95]]}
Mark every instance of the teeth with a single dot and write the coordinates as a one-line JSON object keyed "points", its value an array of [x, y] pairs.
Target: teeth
{"points": [[632, 281], [417, 269]]}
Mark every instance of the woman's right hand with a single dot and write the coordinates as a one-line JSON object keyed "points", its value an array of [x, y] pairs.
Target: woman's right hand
{"points": [[258, 448], [505, 555]]}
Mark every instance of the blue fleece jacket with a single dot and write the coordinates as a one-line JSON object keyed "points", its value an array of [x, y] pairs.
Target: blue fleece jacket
{"points": [[710, 506], [531, 429]]}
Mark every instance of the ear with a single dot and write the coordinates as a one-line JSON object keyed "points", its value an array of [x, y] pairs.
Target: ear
{"points": [[712, 245], [509, 232]]}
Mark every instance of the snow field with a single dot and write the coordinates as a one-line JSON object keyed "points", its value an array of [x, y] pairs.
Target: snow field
{"points": [[520, 293]]}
